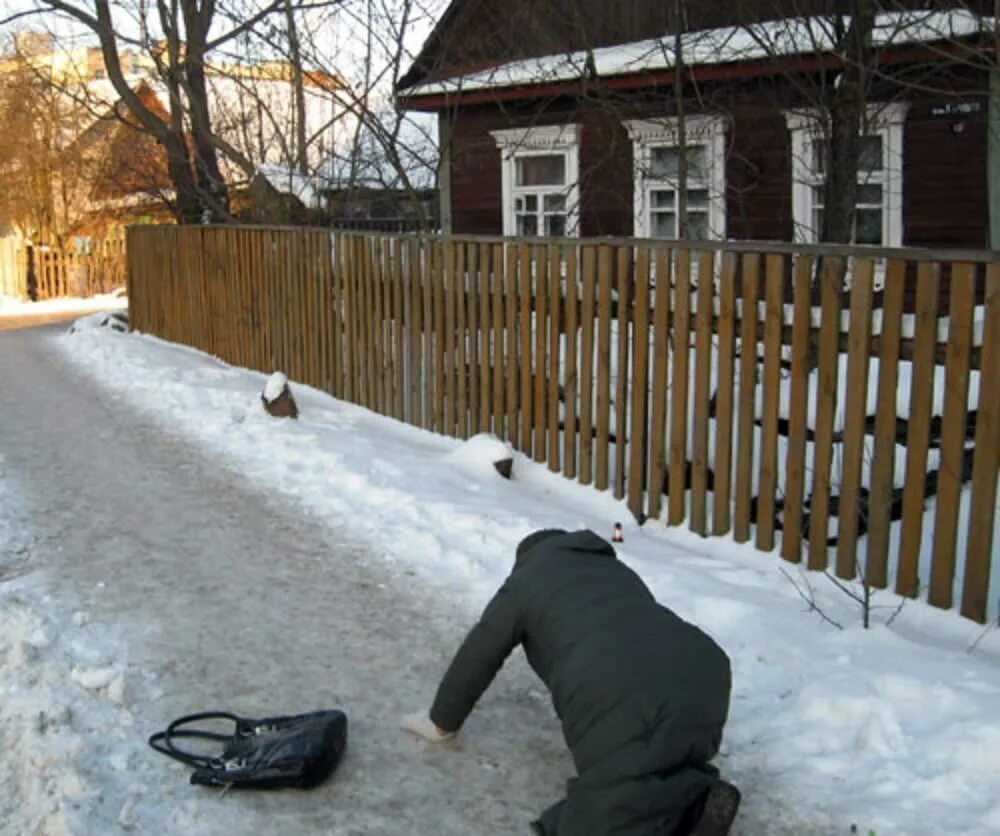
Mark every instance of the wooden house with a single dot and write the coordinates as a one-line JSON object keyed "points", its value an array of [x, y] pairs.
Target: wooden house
{"points": [[565, 118]]}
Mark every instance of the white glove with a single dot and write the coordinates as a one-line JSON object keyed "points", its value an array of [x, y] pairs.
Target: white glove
{"points": [[420, 724]]}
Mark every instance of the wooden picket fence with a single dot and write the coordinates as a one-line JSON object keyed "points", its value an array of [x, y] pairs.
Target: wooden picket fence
{"points": [[58, 273], [838, 427], [12, 270]]}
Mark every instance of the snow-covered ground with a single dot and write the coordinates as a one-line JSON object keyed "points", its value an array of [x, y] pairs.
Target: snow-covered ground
{"points": [[11, 307], [893, 730]]}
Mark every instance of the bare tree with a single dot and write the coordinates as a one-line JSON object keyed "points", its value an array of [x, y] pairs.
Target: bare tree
{"points": [[180, 36], [46, 175]]}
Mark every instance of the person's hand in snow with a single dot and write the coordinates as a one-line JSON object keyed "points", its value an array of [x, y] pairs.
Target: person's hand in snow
{"points": [[420, 724]]}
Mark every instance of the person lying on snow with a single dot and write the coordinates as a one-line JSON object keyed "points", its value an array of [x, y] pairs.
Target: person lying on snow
{"points": [[641, 694]]}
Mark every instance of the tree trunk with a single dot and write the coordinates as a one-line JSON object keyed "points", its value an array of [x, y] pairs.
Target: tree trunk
{"points": [[846, 121], [212, 190], [298, 87]]}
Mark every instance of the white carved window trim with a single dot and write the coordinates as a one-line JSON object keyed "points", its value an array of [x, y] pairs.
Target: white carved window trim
{"points": [[884, 119], [647, 134], [544, 140]]}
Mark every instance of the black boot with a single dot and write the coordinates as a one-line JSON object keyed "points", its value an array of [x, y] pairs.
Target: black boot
{"points": [[721, 804]]}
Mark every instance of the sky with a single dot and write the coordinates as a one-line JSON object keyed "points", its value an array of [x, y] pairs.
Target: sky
{"points": [[893, 730]]}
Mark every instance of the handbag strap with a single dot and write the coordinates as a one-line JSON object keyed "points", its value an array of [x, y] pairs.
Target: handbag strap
{"points": [[163, 742]]}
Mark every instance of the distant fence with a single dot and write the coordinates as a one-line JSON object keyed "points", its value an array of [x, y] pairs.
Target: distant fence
{"points": [[41, 273], [863, 439], [13, 272]]}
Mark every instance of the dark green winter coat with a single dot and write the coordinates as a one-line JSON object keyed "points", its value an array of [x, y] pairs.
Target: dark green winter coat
{"points": [[641, 694]]}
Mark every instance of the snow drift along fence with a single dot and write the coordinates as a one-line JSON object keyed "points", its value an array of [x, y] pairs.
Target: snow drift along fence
{"points": [[734, 387]]}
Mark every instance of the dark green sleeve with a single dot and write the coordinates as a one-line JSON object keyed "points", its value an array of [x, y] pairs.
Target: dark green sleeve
{"points": [[478, 660]]}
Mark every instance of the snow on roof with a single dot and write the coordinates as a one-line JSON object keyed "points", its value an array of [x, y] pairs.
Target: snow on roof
{"points": [[791, 36], [292, 182]]}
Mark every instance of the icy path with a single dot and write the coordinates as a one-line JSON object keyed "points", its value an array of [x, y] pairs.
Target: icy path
{"points": [[216, 596]]}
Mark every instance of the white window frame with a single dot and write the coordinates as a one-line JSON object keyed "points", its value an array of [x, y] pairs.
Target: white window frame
{"points": [[515, 143], [647, 134], [883, 119]]}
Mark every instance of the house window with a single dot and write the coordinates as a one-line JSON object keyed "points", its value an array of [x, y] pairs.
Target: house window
{"points": [[657, 152], [878, 215], [540, 180]]}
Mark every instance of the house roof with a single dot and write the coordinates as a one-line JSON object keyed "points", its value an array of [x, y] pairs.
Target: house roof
{"points": [[734, 45], [433, 43]]}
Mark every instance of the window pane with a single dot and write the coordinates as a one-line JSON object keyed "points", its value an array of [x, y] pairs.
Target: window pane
{"points": [[698, 199], [697, 159], [548, 170], [665, 162], [527, 225], [555, 203], [662, 199], [663, 225], [555, 225], [870, 154], [531, 203], [698, 225], [868, 226], [870, 194], [817, 157]]}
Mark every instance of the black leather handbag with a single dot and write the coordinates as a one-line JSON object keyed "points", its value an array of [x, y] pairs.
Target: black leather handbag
{"points": [[301, 750]]}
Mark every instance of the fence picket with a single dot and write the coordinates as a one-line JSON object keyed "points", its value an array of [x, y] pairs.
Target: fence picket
{"points": [[483, 337], [721, 520], [855, 410], [953, 433], [428, 331], [640, 372], [771, 380], [982, 503], [918, 431], [525, 291], [395, 325], [414, 333], [678, 466], [603, 417], [460, 369], [658, 416], [750, 275], [541, 300], [798, 402], [498, 369], [555, 335], [439, 421], [572, 390], [826, 409], [884, 443], [509, 300], [702, 392], [586, 434], [622, 319]]}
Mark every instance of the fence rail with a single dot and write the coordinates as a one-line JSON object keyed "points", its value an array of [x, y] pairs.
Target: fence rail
{"points": [[736, 389]]}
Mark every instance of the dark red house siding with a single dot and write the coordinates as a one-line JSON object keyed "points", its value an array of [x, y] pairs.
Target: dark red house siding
{"points": [[944, 176], [476, 185], [944, 168], [758, 175]]}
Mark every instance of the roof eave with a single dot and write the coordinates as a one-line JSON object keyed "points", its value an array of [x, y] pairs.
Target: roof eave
{"points": [[812, 62]]}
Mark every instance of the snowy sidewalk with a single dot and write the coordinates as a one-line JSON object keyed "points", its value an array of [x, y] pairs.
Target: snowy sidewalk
{"points": [[198, 554], [223, 598]]}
